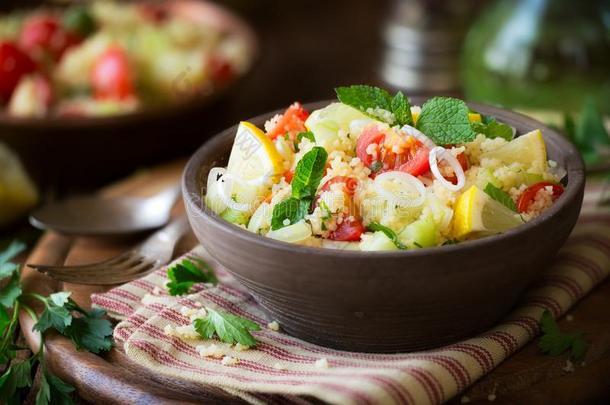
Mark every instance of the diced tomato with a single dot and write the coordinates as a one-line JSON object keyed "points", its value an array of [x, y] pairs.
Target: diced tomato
{"points": [[417, 164], [221, 71], [154, 12], [370, 135], [14, 65], [348, 231], [42, 36], [288, 175], [350, 184], [111, 76], [464, 163], [529, 195], [292, 123]]}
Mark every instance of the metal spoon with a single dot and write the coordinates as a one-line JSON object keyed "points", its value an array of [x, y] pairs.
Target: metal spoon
{"points": [[98, 216]]}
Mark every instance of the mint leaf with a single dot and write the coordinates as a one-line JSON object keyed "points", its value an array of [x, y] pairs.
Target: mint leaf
{"points": [[186, 273], [500, 196], [309, 172], [402, 109], [377, 103], [228, 327], [292, 209], [493, 129], [554, 342], [374, 226], [445, 121]]}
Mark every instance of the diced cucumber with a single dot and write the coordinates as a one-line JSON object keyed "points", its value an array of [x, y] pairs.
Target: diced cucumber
{"points": [[376, 242], [340, 245], [235, 217], [485, 176], [326, 122], [261, 219], [292, 233], [421, 233]]}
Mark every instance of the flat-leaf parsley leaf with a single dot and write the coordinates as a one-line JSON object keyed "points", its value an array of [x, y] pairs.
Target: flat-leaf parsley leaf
{"points": [[554, 342], [228, 327], [186, 273]]}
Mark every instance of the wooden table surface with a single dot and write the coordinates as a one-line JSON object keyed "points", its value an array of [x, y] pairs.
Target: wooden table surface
{"points": [[526, 377]]}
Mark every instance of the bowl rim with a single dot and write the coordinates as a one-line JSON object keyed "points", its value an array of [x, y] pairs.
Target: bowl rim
{"points": [[236, 24], [573, 192]]}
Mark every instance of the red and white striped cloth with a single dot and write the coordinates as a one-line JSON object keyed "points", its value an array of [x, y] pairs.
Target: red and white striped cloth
{"points": [[283, 369]]}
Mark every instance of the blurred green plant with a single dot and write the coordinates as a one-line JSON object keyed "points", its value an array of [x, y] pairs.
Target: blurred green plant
{"points": [[588, 132]]}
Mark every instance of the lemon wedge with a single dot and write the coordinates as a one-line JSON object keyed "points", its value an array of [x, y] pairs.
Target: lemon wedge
{"points": [[477, 213], [18, 193], [254, 157], [528, 149]]}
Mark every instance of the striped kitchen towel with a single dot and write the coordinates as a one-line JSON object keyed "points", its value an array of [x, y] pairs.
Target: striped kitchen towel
{"points": [[285, 369]]}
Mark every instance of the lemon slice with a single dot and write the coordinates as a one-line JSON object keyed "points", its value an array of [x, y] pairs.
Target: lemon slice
{"points": [[477, 213], [18, 193], [528, 149], [254, 158]]}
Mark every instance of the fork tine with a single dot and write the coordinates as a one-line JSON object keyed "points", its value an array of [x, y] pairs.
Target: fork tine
{"points": [[125, 262], [117, 276], [90, 266]]}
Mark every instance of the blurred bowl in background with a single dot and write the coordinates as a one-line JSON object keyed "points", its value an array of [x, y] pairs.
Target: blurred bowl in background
{"points": [[75, 152]]}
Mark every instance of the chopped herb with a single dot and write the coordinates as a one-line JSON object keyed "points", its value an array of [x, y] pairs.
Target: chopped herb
{"points": [[493, 129], [500, 196], [309, 135], [376, 166], [373, 101], [227, 327], [377, 227], [327, 212], [418, 245], [554, 342], [185, 274], [445, 121], [291, 209], [309, 172]]}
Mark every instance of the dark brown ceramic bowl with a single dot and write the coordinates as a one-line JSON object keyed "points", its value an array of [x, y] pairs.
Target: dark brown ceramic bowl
{"points": [[66, 151], [387, 301]]}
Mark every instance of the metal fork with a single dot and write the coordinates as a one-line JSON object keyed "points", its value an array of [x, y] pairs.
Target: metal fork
{"points": [[154, 252]]}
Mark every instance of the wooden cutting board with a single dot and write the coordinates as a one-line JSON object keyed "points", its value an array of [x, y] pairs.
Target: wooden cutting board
{"points": [[526, 377]]}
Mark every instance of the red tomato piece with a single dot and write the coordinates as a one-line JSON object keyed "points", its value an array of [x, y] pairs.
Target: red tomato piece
{"points": [[463, 161], [43, 36], [370, 134], [350, 184], [221, 71], [14, 64], [417, 164], [348, 231], [289, 175], [292, 123], [529, 195], [111, 76], [154, 12]]}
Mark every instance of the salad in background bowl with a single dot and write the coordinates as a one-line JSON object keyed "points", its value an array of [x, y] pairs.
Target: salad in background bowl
{"points": [[109, 86], [371, 172], [405, 297]]}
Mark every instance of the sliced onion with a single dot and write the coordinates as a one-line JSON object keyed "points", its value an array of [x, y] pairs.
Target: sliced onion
{"points": [[215, 175], [405, 181], [225, 190], [417, 134], [445, 155]]}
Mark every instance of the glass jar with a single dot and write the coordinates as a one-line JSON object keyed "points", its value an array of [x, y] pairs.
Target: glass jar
{"points": [[539, 54]]}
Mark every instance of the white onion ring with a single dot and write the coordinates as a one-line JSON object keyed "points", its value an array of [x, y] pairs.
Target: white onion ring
{"points": [[213, 175], [405, 180], [453, 162], [417, 134], [225, 188]]}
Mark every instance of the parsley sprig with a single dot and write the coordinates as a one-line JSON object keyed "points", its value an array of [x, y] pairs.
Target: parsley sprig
{"points": [[184, 274], [87, 330], [555, 342], [227, 327]]}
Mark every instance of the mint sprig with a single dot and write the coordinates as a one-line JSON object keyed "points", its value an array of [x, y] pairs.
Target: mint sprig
{"points": [[500, 196], [493, 129], [307, 177], [376, 102], [445, 121]]}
